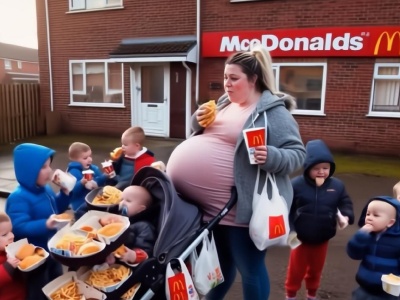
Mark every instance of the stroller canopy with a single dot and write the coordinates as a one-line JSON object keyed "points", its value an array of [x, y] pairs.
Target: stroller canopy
{"points": [[177, 219]]}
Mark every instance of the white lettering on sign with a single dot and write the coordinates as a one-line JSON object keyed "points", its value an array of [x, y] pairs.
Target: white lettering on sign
{"points": [[271, 42]]}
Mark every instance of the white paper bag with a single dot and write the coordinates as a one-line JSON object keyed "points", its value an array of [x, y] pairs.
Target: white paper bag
{"points": [[178, 282], [207, 272], [269, 223]]}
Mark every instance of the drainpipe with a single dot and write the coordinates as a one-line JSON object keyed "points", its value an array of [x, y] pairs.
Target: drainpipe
{"points": [[198, 49], [188, 107], [49, 53]]}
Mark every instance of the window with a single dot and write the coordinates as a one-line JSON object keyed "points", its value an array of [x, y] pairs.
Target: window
{"points": [[7, 64], [93, 4], [385, 94], [19, 64], [304, 81], [96, 83]]}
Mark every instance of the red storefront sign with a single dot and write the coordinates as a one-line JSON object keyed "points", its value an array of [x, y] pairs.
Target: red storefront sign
{"points": [[383, 41]]}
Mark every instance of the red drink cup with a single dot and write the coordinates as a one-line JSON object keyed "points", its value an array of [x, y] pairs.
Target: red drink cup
{"points": [[108, 168], [88, 175], [254, 137]]}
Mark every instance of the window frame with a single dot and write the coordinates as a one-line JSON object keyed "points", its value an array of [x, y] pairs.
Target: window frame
{"points": [[7, 64], [106, 82], [375, 75], [84, 7], [324, 65]]}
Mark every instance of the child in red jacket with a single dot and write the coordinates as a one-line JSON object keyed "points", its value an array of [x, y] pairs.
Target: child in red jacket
{"points": [[12, 285]]}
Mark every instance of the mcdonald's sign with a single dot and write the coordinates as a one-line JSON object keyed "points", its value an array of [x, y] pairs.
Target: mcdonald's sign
{"points": [[276, 226], [367, 41], [390, 39]]}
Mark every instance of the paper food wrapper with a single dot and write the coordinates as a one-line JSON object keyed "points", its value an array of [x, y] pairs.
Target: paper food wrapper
{"points": [[254, 137], [293, 241], [85, 290], [64, 180], [341, 220], [13, 248]]}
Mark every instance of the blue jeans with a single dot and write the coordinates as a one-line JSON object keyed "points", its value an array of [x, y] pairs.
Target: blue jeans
{"points": [[237, 251]]}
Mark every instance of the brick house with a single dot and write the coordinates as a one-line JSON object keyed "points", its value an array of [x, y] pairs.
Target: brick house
{"points": [[118, 63], [18, 64]]}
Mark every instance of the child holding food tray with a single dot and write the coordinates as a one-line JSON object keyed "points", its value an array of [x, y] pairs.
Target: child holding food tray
{"points": [[32, 207], [12, 284]]}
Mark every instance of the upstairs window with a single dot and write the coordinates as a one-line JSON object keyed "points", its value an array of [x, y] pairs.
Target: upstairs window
{"points": [[385, 94], [7, 64], [19, 64], [96, 83], [93, 4]]}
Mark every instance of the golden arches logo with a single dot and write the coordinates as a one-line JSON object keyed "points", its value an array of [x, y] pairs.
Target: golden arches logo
{"points": [[279, 230], [390, 40], [258, 140]]}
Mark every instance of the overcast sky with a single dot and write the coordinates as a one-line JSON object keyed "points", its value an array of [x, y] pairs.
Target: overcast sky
{"points": [[18, 23]]}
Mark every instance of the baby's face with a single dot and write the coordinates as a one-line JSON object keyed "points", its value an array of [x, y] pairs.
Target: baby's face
{"points": [[380, 215], [131, 203], [6, 235]]}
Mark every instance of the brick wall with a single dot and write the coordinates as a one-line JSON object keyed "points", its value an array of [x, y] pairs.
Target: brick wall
{"points": [[92, 35]]}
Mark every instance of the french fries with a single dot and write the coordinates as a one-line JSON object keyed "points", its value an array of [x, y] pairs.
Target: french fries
{"points": [[107, 277], [69, 291], [129, 294], [110, 195]]}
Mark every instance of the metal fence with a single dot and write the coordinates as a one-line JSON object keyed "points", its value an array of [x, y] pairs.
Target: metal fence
{"points": [[19, 111]]}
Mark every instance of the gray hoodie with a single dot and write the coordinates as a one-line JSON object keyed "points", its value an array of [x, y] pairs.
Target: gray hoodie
{"points": [[285, 149]]}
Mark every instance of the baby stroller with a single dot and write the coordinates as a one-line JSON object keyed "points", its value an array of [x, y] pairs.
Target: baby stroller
{"points": [[179, 233]]}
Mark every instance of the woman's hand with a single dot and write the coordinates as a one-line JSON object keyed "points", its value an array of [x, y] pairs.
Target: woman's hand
{"points": [[260, 154]]}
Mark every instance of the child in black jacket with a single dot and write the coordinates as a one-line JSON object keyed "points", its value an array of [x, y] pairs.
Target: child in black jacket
{"points": [[317, 198]]}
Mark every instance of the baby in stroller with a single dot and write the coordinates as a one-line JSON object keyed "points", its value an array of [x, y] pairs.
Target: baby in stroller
{"points": [[142, 233]]}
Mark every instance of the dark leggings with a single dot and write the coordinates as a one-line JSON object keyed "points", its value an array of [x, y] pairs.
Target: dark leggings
{"points": [[237, 251]]}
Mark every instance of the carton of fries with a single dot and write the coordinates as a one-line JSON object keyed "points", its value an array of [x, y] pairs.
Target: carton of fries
{"points": [[106, 278], [92, 217], [68, 286]]}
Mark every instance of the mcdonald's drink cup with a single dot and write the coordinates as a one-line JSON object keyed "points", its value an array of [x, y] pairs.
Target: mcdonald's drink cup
{"points": [[88, 174], [108, 168], [254, 137]]}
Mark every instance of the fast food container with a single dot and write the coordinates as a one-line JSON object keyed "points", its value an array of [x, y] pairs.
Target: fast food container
{"points": [[391, 284], [112, 208], [105, 288], [91, 259], [63, 180], [85, 290], [13, 248]]}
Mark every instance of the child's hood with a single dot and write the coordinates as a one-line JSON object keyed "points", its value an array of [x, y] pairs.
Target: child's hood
{"points": [[395, 229], [318, 152], [28, 161]]}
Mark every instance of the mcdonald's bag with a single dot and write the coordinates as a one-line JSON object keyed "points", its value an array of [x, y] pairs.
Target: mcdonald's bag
{"points": [[178, 282], [206, 272], [269, 223]]}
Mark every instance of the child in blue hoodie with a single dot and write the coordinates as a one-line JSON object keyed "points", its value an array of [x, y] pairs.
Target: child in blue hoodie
{"points": [[31, 206], [377, 245], [80, 155], [316, 200]]}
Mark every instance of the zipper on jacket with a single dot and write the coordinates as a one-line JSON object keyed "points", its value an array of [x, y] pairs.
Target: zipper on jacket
{"points": [[316, 200]]}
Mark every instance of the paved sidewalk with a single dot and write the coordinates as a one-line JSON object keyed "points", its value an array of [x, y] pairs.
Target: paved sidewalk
{"points": [[101, 146]]}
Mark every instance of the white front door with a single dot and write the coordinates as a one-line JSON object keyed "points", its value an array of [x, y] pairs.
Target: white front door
{"points": [[150, 95]]}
